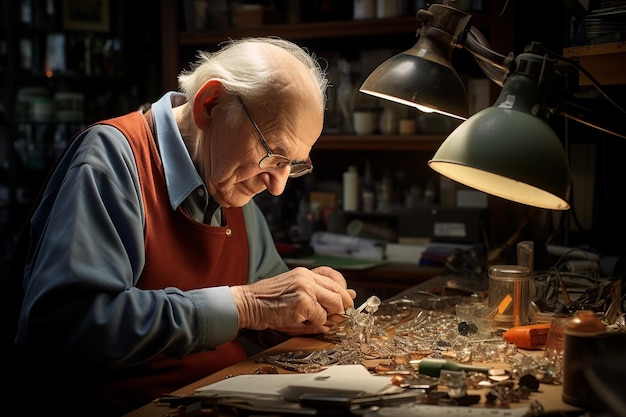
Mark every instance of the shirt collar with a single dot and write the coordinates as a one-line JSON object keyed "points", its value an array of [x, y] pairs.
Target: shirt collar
{"points": [[181, 176]]}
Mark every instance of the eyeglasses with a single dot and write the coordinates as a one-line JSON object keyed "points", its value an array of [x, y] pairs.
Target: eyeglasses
{"points": [[272, 161]]}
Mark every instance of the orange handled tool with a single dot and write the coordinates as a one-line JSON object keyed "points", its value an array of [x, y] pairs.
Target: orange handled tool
{"points": [[532, 336]]}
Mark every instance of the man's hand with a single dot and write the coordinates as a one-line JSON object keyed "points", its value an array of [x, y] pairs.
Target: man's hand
{"points": [[300, 301]]}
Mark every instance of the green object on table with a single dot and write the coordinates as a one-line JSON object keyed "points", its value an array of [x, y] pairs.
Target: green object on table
{"points": [[434, 366], [337, 262]]}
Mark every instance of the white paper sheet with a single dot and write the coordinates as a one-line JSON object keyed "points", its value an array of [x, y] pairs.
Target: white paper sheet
{"points": [[339, 379]]}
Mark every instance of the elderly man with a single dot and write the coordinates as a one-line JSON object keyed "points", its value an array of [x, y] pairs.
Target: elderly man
{"points": [[146, 255]]}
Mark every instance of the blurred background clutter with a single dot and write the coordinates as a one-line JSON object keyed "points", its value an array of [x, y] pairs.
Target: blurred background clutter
{"points": [[371, 200]]}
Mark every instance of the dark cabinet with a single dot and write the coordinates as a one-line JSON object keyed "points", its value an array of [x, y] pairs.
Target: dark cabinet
{"points": [[63, 64]]}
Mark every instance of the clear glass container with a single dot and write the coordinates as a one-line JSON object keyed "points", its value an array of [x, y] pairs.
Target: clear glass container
{"points": [[509, 292]]}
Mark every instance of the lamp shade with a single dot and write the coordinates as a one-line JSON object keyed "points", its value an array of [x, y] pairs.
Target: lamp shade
{"points": [[423, 76], [411, 78], [508, 150], [509, 154]]}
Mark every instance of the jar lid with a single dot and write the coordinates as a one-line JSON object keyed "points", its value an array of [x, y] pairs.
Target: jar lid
{"points": [[510, 271], [584, 321]]}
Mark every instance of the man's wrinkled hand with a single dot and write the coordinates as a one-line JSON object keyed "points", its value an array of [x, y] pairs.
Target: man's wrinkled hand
{"points": [[300, 301]]}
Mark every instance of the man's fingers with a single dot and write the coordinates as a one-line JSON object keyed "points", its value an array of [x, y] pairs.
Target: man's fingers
{"points": [[331, 273], [335, 319], [337, 284], [301, 297], [303, 329], [317, 315]]}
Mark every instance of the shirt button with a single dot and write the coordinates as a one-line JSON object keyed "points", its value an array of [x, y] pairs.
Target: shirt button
{"points": [[200, 192], [229, 232]]}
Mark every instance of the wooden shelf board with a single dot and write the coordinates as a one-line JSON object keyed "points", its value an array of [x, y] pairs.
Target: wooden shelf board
{"points": [[604, 61], [380, 142], [315, 30]]}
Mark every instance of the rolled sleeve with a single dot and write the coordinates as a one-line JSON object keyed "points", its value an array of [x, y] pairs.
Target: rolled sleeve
{"points": [[218, 319]]}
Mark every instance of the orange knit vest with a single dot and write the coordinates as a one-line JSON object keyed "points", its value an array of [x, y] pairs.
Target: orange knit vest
{"points": [[180, 253]]}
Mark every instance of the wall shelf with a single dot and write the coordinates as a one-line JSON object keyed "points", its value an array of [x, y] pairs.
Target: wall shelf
{"points": [[605, 62], [316, 30], [380, 142], [174, 38], [405, 156]]}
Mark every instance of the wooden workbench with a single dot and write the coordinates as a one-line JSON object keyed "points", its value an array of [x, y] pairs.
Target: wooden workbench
{"points": [[548, 395]]}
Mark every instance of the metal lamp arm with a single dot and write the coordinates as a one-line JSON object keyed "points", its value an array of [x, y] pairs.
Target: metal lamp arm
{"points": [[493, 64]]}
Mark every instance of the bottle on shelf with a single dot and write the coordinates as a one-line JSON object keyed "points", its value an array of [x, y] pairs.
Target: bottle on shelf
{"points": [[385, 199], [369, 189], [351, 189], [345, 93], [389, 120]]}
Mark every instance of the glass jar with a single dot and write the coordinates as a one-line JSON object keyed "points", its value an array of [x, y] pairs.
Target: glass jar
{"points": [[509, 293]]}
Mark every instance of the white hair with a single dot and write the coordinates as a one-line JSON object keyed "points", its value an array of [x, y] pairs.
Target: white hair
{"points": [[245, 70]]}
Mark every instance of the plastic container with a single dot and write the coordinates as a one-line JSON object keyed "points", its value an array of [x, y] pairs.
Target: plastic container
{"points": [[69, 107]]}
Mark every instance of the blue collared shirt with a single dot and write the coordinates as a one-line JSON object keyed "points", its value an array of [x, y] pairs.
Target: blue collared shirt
{"points": [[87, 254]]}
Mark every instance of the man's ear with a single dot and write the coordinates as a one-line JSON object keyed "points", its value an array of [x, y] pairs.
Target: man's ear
{"points": [[205, 99]]}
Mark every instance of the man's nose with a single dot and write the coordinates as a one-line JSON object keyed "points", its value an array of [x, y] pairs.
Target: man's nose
{"points": [[276, 180]]}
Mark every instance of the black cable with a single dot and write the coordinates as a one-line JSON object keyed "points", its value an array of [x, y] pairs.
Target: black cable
{"points": [[579, 67]]}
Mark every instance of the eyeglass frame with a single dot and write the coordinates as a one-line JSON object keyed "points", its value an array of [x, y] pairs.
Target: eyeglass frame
{"points": [[305, 166]]}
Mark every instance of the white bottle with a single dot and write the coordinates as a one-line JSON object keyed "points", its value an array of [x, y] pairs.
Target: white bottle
{"points": [[364, 9], [389, 121], [345, 94], [351, 189], [386, 8]]}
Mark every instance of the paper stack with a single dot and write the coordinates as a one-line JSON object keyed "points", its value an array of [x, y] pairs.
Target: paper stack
{"points": [[404, 252]]}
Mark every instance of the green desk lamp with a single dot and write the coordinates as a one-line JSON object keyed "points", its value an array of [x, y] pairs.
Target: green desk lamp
{"points": [[508, 149]]}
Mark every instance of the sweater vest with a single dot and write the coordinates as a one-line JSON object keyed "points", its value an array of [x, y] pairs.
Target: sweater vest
{"points": [[181, 253]]}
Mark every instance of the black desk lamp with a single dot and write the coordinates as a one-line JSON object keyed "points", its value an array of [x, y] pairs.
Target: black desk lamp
{"points": [[508, 149]]}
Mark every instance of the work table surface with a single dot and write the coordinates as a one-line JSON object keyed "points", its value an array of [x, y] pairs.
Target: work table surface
{"points": [[549, 396]]}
